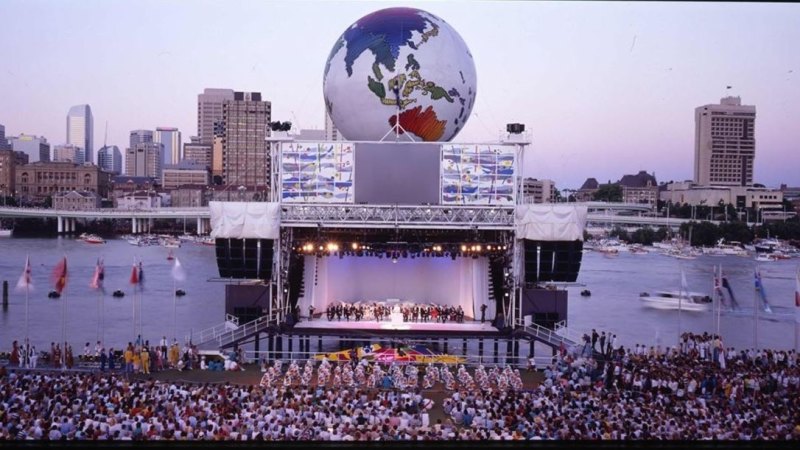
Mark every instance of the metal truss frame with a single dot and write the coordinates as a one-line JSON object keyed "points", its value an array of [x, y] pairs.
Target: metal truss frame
{"points": [[403, 216]]}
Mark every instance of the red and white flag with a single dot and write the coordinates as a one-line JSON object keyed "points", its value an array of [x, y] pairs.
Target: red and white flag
{"points": [[59, 276], [25, 279], [99, 275], [135, 274]]}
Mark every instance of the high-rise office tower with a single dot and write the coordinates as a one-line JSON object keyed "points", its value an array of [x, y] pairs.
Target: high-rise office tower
{"points": [[197, 153], [80, 130], [209, 111], [4, 144], [171, 139], [140, 137], [245, 151], [144, 160], [724, 144], [69, 153], [35, 147], [331, 133], [109, 158]]}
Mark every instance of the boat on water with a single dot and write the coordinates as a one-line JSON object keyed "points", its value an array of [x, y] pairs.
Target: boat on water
{"points": [[170, 242], [5, 232], [673, 300], [766, 257], [170, 256], [208, 241], [92, 239]]}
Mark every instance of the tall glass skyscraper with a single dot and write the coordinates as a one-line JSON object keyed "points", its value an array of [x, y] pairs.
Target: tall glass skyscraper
{"points": [[80, 130], [109, 158], [171, 139]]}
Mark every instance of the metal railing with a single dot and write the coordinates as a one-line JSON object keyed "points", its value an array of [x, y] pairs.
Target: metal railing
{"points": [[248, 329], [562, 329], [213, 333], [547, 335]]}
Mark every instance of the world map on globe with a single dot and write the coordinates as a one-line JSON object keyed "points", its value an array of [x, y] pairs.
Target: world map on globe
{"points": [[399, 63]]}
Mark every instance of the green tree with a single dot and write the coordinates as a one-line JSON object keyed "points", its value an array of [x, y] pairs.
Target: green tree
{"points": [[619, 233], [644, 236], [702, 234], [608, 193], [736, 231]]}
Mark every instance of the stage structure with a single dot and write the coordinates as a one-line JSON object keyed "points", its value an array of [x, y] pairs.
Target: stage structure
{"points": [[396, 225]]}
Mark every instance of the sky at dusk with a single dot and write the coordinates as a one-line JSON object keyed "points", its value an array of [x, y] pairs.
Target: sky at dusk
{"points": [[604, 88]]}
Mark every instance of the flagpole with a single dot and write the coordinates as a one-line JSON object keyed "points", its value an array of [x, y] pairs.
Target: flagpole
{"points": [[27, 289], [796, 306], [174, 310], [755, 321], [64, 328], [719, 303], [103, 321], [133, 304], [680, 306], [714, 300]]}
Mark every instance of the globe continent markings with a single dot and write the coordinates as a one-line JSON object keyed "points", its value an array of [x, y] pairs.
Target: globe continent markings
{"points": [[385, 33]]}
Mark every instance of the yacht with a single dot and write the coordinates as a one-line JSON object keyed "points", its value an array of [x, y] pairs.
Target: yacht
{"points": [[5, 232], [683, 300]]}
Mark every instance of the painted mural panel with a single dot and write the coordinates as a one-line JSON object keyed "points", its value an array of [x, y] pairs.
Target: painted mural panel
{"points": [[477, 174], [319, 172]]}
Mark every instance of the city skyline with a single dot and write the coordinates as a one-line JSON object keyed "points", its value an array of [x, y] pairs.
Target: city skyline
{"points": [[605, 89]]}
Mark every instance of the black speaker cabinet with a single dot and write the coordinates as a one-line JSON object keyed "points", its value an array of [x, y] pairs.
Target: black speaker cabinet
{"points": [[244, 258], [552, 260]]}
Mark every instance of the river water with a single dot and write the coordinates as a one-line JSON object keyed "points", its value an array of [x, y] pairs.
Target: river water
{"points": [[615, 283]]}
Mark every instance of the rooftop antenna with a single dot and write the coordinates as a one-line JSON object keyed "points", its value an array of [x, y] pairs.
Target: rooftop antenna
{"points": [[105, 138]]}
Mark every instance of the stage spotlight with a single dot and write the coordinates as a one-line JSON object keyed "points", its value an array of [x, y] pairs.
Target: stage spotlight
{"points": [[355, 246], [463, 248], [394, 260], [478, 248]]}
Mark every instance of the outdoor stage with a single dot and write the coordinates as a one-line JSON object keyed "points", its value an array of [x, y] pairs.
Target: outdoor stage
{"points": [[416, 327]]}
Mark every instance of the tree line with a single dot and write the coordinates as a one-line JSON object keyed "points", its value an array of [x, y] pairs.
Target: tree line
{"points": [[707, 234]]}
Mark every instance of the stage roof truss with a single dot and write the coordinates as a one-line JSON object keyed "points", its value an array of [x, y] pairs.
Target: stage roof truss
{"points": [[403, 216]]}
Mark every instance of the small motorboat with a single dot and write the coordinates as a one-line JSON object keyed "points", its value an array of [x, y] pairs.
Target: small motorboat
{"points": [[118, 293], [586, 293], [53, 294], [93, 239], [685, 301], [180, 292]]}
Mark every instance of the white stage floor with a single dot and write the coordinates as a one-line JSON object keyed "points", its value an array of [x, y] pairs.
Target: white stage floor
{"points": [[324, 324]]}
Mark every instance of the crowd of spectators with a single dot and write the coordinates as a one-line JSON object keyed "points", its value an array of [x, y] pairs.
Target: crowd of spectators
{"points": [[698, 390]]}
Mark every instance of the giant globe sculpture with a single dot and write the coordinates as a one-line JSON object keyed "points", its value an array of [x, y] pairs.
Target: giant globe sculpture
{"points": [[399, 62]]}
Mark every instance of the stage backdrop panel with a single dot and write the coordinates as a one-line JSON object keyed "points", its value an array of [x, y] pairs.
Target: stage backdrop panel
{"points": [[397, 174], [441, 281], [477, 174], [317, 172]]}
